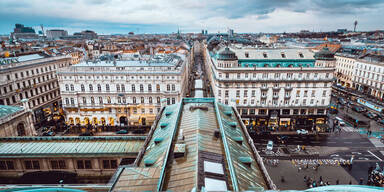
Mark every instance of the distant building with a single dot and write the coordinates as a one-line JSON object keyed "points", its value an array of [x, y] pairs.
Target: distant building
{"points": [[87, 34], [23, 33], [56, 33], [230, 32], [342, 30]]}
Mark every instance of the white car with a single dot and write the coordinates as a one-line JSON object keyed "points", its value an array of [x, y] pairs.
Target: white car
{"points": [[302, 132], [270, 145]]}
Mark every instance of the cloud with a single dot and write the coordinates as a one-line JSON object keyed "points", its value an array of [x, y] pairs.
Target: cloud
{"points": [[192, 15]]}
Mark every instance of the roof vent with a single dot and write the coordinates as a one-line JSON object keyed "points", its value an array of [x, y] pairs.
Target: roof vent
{"points": [[149, 162], [217, 133], [179, 150], [168, 113], [239, 140], [180, 137], [158, 140], [163, 124], [246, 160], [228, 113], [233, 124]]}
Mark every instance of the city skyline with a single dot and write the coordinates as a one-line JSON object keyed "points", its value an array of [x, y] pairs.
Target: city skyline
{"points": [[114, 17]]}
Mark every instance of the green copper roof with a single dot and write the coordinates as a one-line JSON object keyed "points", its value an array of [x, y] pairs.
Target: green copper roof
{"points": [[278, 63], [6, 110]]}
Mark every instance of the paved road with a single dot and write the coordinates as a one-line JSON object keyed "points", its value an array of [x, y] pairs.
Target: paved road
{"points": [[344, 139]]}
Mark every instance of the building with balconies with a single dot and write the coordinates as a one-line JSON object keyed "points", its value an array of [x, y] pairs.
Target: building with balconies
{"points": [[32, 77], [288, 88], [122, 92]]}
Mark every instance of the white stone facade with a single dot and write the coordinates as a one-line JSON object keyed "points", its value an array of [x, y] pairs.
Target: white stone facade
{"points": [[127, 92], [257, 91]]}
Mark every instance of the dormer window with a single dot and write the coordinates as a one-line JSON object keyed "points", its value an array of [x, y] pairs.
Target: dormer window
{"points": [[265, 55], [246, 55], [283, 55], [301, 55]]}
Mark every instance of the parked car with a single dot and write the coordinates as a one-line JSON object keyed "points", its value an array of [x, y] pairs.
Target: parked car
{"points": [[342, 101], [269, 145], [370, 115], [122, 131], [86, 134], [49, 133], [302, 132], [357, 109]]}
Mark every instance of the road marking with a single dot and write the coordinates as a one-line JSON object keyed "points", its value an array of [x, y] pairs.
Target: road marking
{"points": [[331, 142], [375, 156], [347, 142]]}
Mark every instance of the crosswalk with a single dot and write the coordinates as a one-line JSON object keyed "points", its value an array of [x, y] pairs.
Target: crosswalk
{"points": [[349, 129]]}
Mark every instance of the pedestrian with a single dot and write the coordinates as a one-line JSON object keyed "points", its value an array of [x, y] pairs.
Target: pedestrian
{"points": [[337, 181], [282, 179], [350, 182], [305, 178], [361, 181], [321, 178]]}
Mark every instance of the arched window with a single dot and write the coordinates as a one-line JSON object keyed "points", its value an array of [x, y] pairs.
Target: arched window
{"points": [[142, 99], [72, 87], [158, 100], [82, 88], [66, 87], [141, 88], [134, 100], [150, 88], [66, 101], [122, 88], [92, 100], [119, 99], [133, 88], [109, 100], [124, 100], [84, 100], [118, 88], [168, 87], [20, 129], [99, 87], [100, 100], [150, 100], [90, 87], [158, 88], [173, 87], [107, 87]]}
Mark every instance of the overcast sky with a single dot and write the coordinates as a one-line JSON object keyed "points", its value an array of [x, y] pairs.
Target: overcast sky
{"points": [[166, 16]]}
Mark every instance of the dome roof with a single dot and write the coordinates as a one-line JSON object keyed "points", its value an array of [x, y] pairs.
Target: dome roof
{"points": [[226, 54], [325, 54]]}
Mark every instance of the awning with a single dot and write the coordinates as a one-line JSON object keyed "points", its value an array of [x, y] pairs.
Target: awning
{"points": [[285, 119]]}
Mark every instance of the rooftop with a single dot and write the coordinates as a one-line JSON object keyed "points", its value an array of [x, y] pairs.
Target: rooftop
{"points": [[6, 110], [27, 147], [195, 144]]}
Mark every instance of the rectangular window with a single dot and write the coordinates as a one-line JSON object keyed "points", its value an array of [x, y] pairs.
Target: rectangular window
{"points": [[30, 164], [7, 165], [109, 164], [84, 164], [237, 93], [58, 164]]}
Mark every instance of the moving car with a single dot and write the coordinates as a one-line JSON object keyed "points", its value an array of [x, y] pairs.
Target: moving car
{"points": [[342, 101], [269, 145], [302, 132], [122, 131], [340, 121]]}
